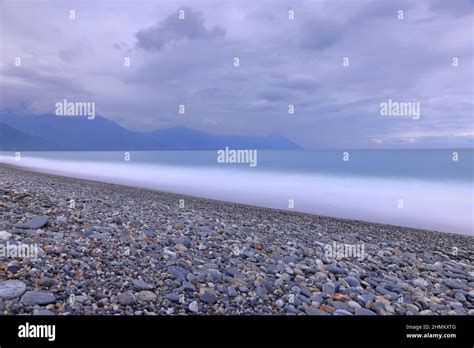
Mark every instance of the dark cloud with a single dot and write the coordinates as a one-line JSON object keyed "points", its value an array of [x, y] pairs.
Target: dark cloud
{"points": [[174, 29], [283, 62]]}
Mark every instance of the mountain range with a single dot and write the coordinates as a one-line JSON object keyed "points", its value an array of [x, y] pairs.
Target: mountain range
{"points": [[54, 133]]}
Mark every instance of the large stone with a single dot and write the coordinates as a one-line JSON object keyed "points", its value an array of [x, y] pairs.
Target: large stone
{"points": [[4, 235], [209, 297], [12, 288], [34, 223], [31, 298], [146, 296], [352, 281], [127, 298], [139, 285], [364, 311], [177, 272], [453, 284], [329, 288]]}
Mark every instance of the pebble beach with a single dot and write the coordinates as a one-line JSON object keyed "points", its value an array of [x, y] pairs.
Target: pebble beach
{"points": [[106, 249]]}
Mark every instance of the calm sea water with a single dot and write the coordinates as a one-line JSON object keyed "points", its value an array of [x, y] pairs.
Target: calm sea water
{"points": [[416, 188]]}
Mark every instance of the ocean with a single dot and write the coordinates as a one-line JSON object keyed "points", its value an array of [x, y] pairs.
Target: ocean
{"points": [[414, 188]]}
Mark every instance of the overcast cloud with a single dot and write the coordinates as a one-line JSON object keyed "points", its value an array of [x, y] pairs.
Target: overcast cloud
{"points": [[283, 61]]}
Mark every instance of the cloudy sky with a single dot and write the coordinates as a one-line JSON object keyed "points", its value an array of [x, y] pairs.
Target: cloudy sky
{"points": [[283, 61]]}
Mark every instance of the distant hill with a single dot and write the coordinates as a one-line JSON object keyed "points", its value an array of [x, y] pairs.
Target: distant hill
{"points": [[50, 132], [13, 139]]}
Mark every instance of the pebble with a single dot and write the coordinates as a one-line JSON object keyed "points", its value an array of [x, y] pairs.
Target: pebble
{"points": [[238, 260], [315, 311], [231, 291], [47, 282], [193, 307], [127, 298], [146, 296], [173, 297], [342, 312], [364, 311], [35, 223], [352, 281], [11, 289], [453, 284], [139, 284], [44, 312], [353, 305], [4, 235], [420, 282], [209, 298], [261, 292], [31, 298], [329, 288]]}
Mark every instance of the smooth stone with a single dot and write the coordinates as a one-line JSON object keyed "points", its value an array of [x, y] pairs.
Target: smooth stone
{"points": [[335, 270], [231, 291], [34, 223], [420, 282], [97, 236], [4, 235], [453, 284], [173, 297], [316, 298], [127, 298], [292, 310], [364, 311], [210, 265], [368, 297], [193, 307], [146, 296], [352, 281], [289, 259], [139, 285], [329, 288], [460, 297], [305, 292], [261, 292], [44, 312], [47, 282], [315, 311], [11, 288], [61, 220], [31, 298], [183, 241], [412, 308], [342, 312], [187, 286], [268, 284], [13, 267], [177, 272], [426, 312], [353, 305], [209, 298]]}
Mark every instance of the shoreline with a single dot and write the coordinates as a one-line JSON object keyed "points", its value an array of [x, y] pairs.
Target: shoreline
{"points": [[250, 206], [216, 257]]}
